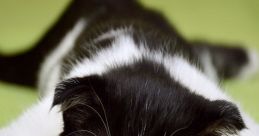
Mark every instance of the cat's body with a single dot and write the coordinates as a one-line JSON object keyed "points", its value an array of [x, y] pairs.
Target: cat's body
{"points": [[115, 68]]}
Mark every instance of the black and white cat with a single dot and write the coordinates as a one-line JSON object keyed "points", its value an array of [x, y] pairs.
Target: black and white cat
{"points": [[115, 68]]}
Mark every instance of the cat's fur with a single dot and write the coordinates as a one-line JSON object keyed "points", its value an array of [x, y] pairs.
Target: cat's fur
{"points": [[115, 68]]}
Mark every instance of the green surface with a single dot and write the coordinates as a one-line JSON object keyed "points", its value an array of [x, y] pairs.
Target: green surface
{"points": [[14, 99], [23, 22]]}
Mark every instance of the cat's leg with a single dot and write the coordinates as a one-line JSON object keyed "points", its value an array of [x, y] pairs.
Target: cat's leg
{"points": [[221, 61], [23, 69], [20, 69]]}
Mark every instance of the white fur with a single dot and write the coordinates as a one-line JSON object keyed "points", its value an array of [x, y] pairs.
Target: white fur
{"points": [[209, 69], [123, 51], [252, 67], [40, 120], [193, 79], [252, 126], [112, 34], [50, 71]]}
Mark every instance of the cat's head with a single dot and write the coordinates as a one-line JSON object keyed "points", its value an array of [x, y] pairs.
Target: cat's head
{"points": [[141, 101]]}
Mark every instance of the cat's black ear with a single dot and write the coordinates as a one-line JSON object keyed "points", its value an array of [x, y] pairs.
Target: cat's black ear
{"points": [[222, 117], [76, 87], [82, 105]]}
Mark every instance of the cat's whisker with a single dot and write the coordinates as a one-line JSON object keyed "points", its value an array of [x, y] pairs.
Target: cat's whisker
{"points": [[165, 133], [99, 115], [178, 130], [80, 131], [104, 112]]}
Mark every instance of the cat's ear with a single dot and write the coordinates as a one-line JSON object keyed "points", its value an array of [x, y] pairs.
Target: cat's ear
{"points": [[222, 117], [82, 105]]}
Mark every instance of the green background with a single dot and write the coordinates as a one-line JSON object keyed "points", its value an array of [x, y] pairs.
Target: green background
{"points": [[23, 22]]}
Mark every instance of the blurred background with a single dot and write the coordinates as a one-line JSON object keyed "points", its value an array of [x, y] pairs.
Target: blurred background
{"points": [[23, 22]]}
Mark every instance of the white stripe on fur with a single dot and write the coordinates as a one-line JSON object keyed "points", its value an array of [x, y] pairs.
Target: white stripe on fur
{"points": [[50, 71]]}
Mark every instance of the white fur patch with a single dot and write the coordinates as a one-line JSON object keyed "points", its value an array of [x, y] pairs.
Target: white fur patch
{"points": [[193, 79], [123, 51], [50, 71], [40, 120], [252, 67], [209, 69], [252, 126], [111, 34]]}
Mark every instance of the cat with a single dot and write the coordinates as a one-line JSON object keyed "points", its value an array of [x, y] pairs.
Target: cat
{"points": [[117, 68]]}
